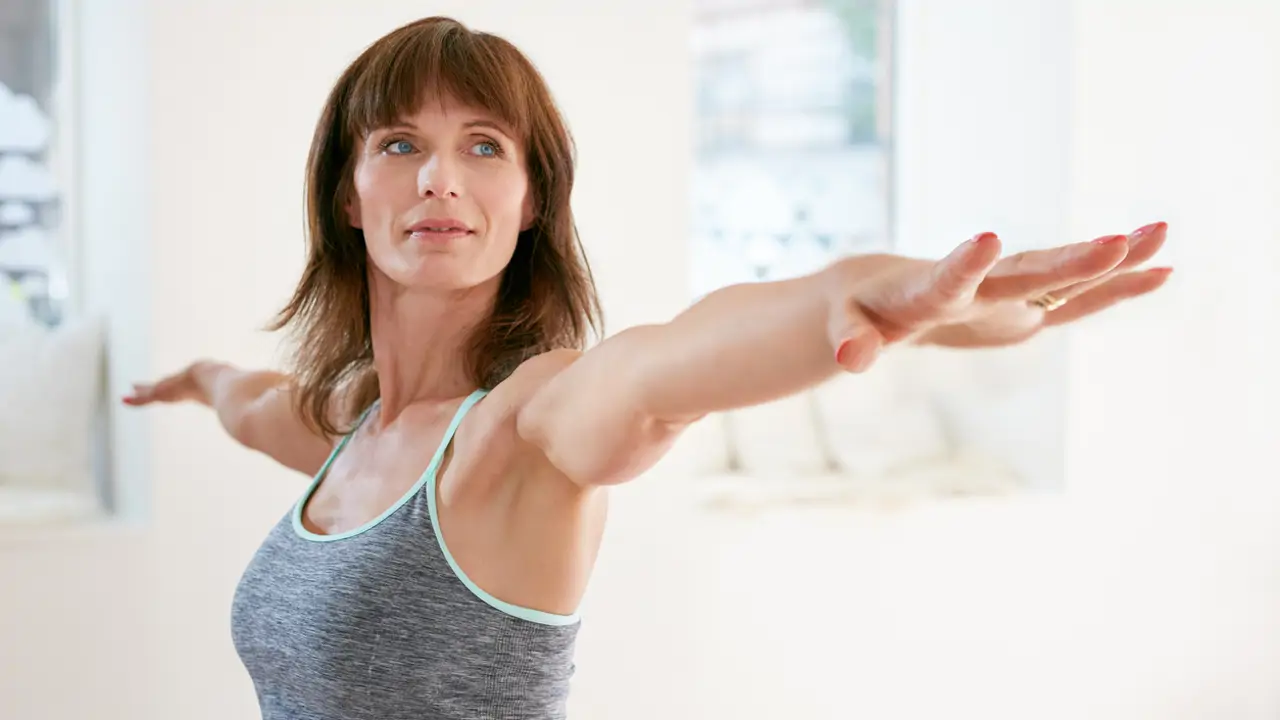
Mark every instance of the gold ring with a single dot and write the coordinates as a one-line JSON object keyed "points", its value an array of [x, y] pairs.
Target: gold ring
{"points": [[1048, 302]]}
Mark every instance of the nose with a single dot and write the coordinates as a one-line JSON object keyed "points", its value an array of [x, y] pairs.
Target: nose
{"points": [[439, 178]]}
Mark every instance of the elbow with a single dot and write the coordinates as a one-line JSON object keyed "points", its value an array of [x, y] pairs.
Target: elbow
{"points": [[245, 423], [615, 454], [240, 426]]}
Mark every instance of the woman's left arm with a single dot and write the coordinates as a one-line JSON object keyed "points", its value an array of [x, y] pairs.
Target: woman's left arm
{"points": [[604, 416]]}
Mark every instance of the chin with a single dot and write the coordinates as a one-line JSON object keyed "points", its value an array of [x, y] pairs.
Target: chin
{"points": [[441, 274], [453, 268]]}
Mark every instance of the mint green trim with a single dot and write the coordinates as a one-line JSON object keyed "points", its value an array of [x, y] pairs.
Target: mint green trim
{"points": [[429, 480], [306, 534], [517, 611]]}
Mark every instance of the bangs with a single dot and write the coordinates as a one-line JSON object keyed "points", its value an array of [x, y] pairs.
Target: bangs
{"points": [[437, 62]]}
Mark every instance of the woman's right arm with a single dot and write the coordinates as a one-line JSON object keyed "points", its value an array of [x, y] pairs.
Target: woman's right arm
{"points": [[255, 407]]}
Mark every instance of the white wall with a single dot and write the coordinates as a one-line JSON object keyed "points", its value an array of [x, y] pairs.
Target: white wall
{"points": [[1146, 592], [1173, 414]]}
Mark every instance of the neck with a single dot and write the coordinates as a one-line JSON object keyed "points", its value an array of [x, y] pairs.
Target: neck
{"points": [[420, 339]]}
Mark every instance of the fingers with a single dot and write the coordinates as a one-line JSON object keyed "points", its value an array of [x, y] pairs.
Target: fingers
{"points": [[1119, 288], [958, 276], [1072, 270], [147, 393], [142, 394], [1144, 243], [1033, 273]]}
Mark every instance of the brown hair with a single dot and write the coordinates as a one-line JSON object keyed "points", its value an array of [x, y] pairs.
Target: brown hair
{"points": [[547, 298]]}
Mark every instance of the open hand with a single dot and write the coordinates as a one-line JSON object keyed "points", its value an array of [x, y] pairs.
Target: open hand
{"points": [[178, 387], [976, 298]]}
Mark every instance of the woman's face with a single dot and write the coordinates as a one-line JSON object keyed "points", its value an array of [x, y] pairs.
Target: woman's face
{"points": [[441, 198]]}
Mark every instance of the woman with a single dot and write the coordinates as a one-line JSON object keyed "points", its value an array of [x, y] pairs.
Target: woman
{"points": [[460, 441]]}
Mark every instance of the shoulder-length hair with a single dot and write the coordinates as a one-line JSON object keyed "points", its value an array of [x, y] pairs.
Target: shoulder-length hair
{"points": [[547, 297]]}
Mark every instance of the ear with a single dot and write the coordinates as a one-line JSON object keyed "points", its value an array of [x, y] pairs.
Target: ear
{"points": [[526, 212], [350, 202], [353, 213]]}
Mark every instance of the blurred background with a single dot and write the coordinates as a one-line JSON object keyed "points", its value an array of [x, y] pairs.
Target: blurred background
{"points": [[1084, 527]]}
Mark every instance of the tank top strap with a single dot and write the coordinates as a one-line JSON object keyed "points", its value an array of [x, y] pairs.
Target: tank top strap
{"points": [[337, 448], [458, 416]]}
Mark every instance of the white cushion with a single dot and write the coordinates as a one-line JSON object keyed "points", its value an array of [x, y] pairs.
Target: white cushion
{"points": [[50, 386], [777, 437], [878, 422], [960, 476], [1007, 404]]}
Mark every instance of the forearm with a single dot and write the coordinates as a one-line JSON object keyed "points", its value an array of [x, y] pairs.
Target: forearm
{"points": [[232, 393], [739, 346]]}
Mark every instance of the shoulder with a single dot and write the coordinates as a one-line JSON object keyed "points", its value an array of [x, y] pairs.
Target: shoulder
{"points": [[537, 371], [503, 417], [511, 396], [502, 406], [531, 389]]}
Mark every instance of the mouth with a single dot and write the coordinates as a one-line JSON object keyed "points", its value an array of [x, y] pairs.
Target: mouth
{"points": [[438, 229]]}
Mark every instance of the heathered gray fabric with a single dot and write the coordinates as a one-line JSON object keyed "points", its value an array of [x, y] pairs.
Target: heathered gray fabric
{"points": [[377, 626]]}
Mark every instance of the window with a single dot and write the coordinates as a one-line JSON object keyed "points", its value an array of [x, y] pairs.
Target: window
{"points": [[50, 355], [32, 261], [793, 139]]}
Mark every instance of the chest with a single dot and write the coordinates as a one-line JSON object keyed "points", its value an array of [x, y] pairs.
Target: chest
{"points": [[359, 488], [374, 474], [374, 615]]}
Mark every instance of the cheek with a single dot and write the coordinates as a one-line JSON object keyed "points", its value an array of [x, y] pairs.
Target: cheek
{"points": [[508, 199], [369, 188], [362, 191], [382, 196]]}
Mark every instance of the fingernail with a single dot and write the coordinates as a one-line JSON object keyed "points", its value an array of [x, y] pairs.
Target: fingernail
{"points": [[1161, 271], [1110, 239], [982, 237], [1148, 229], [842, 350], [848, 359]]}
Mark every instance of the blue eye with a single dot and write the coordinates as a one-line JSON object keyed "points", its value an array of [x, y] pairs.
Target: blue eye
{"points": [[398, 147], [486, 149]]}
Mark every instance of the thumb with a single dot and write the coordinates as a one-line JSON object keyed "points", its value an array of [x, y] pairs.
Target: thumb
{"points": [[856, 341]]}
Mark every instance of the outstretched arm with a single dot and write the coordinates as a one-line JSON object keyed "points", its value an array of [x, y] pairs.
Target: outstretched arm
{"points": [[606, 416], [254, 406]]}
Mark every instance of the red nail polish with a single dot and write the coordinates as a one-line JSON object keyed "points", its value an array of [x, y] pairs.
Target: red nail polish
{"points": [[1148, 229], [1110, 239], [980, 237], [840, 351]]}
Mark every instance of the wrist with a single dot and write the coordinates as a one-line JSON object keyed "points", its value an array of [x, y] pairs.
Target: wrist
{"points": [[848, 278], [205, 375]]}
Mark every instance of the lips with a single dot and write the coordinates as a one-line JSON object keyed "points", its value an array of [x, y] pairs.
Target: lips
{"points": [[439, 226]]}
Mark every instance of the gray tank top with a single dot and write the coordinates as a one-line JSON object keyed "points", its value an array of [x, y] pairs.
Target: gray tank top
{"points": [[380, 623]]}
